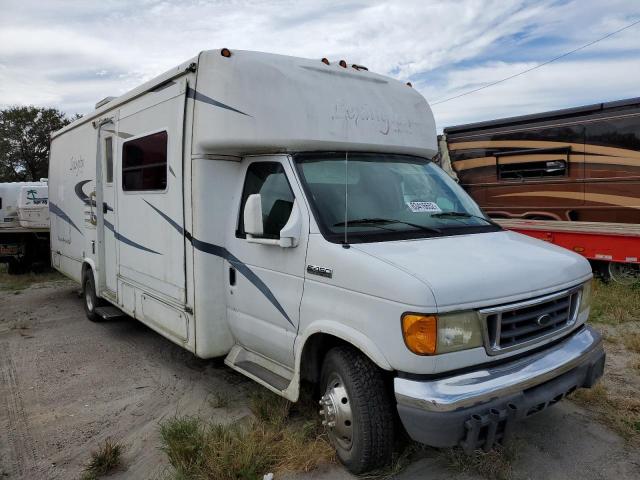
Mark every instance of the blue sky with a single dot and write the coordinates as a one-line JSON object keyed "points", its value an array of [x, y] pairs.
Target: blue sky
{"points": [[69, 54]]}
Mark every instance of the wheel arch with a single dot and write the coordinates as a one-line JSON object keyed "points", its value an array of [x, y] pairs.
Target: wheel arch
{"points": [[319, 340], [88, 264]]}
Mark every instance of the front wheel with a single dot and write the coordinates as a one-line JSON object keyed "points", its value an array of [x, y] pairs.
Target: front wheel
{"points": [[357, 410]]}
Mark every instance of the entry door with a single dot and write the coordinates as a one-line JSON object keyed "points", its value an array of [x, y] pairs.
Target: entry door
{"points": [[107, 182], [266, 281]]}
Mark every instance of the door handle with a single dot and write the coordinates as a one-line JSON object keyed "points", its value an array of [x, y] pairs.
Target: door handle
{"points": [[105, 207], [232, 276]]}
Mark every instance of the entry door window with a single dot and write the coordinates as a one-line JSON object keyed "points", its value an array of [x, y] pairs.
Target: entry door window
{"points": [[108, 155], [270, 181]]}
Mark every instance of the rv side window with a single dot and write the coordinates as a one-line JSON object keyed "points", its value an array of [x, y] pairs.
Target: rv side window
{"points": [[144, 163], [108, 155], [270, 181], [532, 170]]}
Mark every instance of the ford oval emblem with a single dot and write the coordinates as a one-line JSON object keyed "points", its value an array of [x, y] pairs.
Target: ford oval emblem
{"points": [[544, 320]]}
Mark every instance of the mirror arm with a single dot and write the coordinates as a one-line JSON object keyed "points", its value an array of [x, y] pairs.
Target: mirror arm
{"points": [[262, 241]]}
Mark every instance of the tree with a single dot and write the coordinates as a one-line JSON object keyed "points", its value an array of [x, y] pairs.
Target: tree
{"points": [[24, 141]]}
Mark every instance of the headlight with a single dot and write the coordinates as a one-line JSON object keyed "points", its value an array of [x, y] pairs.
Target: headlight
{"points": [[433, 334], [585, 297]]}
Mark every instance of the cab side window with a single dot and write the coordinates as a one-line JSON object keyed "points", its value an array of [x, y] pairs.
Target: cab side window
{"points": [[270, 181]]}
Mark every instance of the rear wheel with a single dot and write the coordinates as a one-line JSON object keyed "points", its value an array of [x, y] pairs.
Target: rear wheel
{"points": [[624, 273], [91, 300], [357, 410]]}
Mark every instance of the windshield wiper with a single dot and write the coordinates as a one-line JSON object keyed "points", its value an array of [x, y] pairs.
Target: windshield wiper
{"points": [[465, 215], [375, 221]]}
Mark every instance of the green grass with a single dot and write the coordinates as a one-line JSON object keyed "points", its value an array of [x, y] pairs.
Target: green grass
{"points": [[614, 304], [278, 439], [103, 461], [615, 310], [17, 283]]}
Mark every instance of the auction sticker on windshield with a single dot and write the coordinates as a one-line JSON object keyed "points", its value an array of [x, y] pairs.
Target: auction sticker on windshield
{"points": [[428, 207]]}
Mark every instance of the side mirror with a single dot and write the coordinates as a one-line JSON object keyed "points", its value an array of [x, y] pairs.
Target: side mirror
{"points": [[290, 233], [253, 215], [254, 227]]}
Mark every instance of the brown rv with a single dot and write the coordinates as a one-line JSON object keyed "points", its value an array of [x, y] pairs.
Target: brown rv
{"points": [[579, 164]]}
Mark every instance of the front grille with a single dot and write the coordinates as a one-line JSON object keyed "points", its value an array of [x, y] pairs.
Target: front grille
{"points": [[517, 324]]}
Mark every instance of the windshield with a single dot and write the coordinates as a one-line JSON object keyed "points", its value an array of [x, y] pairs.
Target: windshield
{"points": [[360, 197]]}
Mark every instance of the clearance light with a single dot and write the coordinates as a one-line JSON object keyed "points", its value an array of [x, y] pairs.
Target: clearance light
{"points": [[343, 64], [578, 249], [420, 333], [326, 61], [225, 52]]}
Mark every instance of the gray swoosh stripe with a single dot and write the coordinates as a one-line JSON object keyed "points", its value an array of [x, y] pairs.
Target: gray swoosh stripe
{"points": [[82, 196], [53, 208], [121, 238], [223, 253], [191, 93]]}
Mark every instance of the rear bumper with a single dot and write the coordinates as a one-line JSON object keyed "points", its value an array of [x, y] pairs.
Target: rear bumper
{"points": [[477, 409]]}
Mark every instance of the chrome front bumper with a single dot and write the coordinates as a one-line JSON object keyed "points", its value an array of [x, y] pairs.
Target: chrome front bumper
{"points": [[525, 385]]}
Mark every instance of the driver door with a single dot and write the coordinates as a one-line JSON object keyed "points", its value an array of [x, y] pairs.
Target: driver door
{"points": [[266, 280]]}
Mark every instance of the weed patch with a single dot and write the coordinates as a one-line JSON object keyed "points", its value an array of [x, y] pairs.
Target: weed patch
{"points": [[614, 304], [496, 464], [276, 440], [632, 342], [103, 461], [620, 412], [16, 283]]}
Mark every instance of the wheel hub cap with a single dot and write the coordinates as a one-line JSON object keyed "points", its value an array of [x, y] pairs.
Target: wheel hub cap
{"points": [[89, 300], [336, 413]]}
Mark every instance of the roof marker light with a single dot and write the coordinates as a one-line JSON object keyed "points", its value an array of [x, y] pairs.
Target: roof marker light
{"points": [[325, 61], [225, 52], [409, 84], [343, 64]]}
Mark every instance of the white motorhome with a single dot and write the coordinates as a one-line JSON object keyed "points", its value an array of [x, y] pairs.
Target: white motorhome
{"points": [[24, 224], [284, 213]]}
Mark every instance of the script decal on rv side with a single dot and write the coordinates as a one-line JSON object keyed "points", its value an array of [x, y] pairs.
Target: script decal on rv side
{"points": [[364, 115], [76, 165]]}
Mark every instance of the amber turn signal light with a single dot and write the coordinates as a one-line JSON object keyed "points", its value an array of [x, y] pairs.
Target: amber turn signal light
{"points": [[420, 333], [225, 52]]}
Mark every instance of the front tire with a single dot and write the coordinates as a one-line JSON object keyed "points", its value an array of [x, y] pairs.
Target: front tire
{"points": [[91, 300], [357, 410]]}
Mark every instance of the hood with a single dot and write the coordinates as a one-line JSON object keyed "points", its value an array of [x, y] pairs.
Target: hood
{"points": [[471, 271]]}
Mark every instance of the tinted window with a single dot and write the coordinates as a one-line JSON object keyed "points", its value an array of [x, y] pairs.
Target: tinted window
{"points": [[144, 163], [269, 180], [108, 155], [621, 132], [543, 169]]}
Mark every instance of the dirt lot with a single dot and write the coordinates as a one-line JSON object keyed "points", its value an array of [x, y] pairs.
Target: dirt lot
{"points": [[67, 384]]}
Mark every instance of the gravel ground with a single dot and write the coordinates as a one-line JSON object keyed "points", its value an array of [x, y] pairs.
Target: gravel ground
{"points": [[67, 384]]}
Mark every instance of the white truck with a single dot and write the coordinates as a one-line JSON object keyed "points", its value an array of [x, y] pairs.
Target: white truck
{"points": [[283, 212], [24, 224]]}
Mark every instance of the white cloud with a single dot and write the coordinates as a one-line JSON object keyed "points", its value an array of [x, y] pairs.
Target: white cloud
{"points": [[70, 54]]}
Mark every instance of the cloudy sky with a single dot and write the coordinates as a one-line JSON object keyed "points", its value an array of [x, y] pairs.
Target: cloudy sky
{"points": [[69, 54]]}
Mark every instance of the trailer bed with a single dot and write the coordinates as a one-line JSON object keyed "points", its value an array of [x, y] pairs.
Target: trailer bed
{"points": [[610, 242]]}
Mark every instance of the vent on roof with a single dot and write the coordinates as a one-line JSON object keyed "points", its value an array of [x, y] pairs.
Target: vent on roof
{"points": [[104, 101]]}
